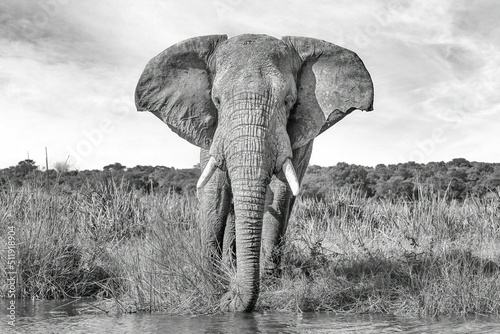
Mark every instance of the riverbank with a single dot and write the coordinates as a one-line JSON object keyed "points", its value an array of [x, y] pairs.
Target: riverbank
{"points": [[344, 254]]}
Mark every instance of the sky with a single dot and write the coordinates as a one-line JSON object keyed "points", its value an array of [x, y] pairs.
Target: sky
{"points": [[68, 71]]}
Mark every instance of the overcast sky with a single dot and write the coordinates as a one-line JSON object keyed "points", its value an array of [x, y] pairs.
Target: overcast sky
{"points": [[68, 71]]}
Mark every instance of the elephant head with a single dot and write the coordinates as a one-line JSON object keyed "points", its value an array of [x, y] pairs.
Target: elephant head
{"points": [[251, 100]]}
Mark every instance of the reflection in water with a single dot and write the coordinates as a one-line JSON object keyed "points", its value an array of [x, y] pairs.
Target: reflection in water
{"points": [[81, 317]]}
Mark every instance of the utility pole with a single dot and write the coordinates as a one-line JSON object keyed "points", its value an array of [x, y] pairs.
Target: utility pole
{"points": [[47, 167]]}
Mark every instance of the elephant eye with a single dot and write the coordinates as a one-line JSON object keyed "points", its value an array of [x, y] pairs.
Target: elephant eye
{"points": [[289, 101], [216, 102]]}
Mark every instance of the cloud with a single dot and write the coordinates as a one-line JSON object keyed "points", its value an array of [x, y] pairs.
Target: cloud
{"points": [[435, 74], [69, 66], [457, 66]]}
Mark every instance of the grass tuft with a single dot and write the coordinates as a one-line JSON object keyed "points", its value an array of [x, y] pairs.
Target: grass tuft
{"points": [[344, 253]]}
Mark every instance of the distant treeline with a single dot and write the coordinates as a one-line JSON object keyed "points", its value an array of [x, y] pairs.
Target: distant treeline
{"points": [[456, 179], [142, 178]]}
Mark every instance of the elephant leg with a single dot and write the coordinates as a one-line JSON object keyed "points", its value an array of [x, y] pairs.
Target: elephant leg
{"points": [[279, 205], [215, 202], [278, 202]]}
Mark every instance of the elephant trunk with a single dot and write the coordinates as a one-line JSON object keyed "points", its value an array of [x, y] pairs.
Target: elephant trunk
{"points": [[251, 143], [249, 200], [250, 158]]}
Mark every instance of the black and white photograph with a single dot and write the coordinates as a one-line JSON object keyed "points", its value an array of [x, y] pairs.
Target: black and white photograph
{"points": [[230, 166]]}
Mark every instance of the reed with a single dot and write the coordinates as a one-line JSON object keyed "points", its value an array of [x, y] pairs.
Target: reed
{"points": [[344, 253], [428, 258]]}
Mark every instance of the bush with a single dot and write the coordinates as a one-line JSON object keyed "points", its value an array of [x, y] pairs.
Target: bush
{"points": [[344, 253]]}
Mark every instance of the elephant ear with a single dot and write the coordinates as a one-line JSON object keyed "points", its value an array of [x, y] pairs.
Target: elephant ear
{"points": [[176, 86], [331, 82]]}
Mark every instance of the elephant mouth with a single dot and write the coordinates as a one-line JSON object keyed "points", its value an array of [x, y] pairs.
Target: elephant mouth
{"points": [[288, 171]]}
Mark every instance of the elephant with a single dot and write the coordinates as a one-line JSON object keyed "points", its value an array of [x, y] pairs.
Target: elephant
{"points": [[254, 105]]}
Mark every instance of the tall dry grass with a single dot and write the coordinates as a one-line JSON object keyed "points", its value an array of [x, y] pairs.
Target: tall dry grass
{"points": [[429, 257], [141, 252]]}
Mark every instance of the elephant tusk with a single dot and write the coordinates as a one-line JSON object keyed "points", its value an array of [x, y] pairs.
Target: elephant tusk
{"points": [[209, 170], [291, 177]]}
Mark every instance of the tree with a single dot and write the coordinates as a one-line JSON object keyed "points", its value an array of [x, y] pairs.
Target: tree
{"points": [[493, 181], [459, 162], [114, 167], [24, 168]]}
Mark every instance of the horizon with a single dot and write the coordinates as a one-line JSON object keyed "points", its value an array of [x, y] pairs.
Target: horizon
{"points": [[71, 69], [41, 166]]}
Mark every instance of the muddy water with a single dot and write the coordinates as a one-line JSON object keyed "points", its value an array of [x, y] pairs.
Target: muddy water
{"points": [[81, 317]]}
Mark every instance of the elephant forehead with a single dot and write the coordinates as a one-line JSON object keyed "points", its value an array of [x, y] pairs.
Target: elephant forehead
{"points": [[250, 51]]}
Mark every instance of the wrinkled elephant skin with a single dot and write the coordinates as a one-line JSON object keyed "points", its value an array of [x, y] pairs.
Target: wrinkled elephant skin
{"points": [[254, 105]]}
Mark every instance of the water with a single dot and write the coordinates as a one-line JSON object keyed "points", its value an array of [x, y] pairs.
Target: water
{"points": [[80, 317]]}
